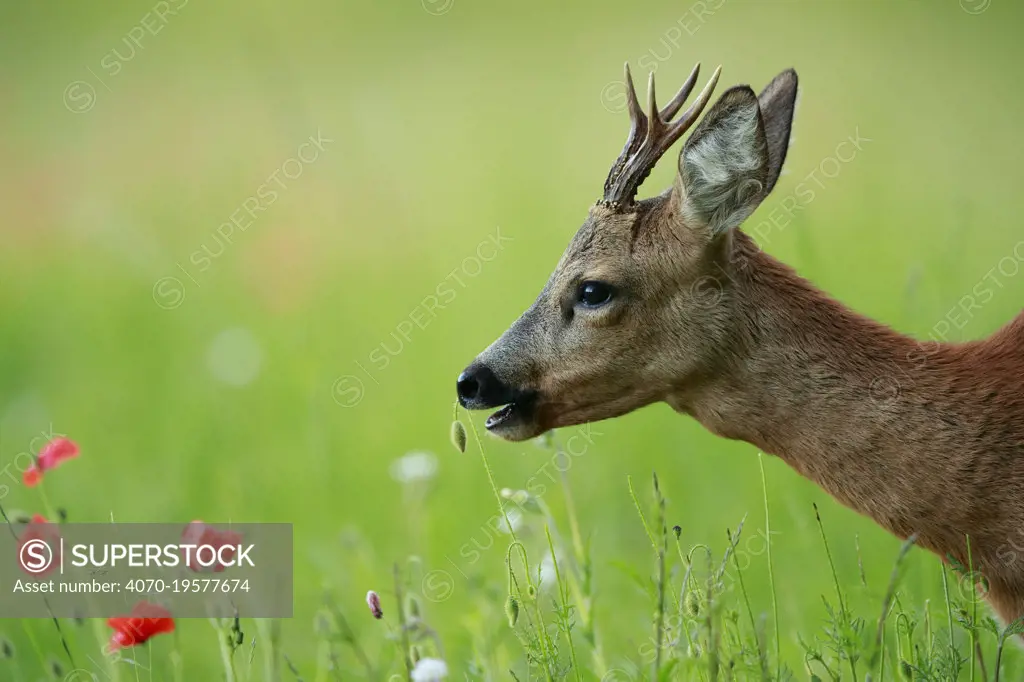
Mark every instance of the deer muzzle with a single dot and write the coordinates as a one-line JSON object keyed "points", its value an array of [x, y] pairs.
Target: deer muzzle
{"points": [[479, 388]]}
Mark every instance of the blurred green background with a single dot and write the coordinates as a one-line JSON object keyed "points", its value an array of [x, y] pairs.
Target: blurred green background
{"points": [[267, 378]]}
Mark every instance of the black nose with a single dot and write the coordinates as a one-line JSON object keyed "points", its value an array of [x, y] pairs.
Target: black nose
{"points": [[478, 388]]}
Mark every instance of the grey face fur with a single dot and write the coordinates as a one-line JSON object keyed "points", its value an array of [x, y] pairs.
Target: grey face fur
{"points": [[566, 362]]}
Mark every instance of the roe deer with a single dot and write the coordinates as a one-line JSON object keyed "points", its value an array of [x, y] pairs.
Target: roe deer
{"points": [[664, 299]]}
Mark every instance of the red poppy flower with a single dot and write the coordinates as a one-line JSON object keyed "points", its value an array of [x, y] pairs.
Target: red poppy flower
{"points": [[33, 557], [52, 454], [198, 534], [145, 621]]}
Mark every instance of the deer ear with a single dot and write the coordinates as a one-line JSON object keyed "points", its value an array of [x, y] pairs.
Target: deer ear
{"points": [[777, 102], [724, 167]]}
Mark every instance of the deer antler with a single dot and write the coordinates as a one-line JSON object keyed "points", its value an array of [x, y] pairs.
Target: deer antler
{"points": [[660, 132]]}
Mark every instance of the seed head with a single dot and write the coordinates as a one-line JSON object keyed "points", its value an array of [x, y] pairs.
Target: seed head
{"points": [[692, 604], [458, 436], [512, 610], [373, 601]]}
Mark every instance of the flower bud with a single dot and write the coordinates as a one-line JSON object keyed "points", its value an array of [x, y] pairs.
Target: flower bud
{"points": [[512, 610], [373, 601], [237, 636], [692, 604], [531, 591], [458, 436]]}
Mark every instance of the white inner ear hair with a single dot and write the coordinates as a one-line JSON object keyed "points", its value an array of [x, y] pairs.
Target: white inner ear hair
{"points": [[721, 170]]}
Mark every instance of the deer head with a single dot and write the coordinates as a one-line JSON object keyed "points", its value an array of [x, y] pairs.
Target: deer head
{"points": [[623, 322]]}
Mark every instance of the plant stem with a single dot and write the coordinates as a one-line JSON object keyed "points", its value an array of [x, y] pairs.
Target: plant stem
{"points": [[176, 659], [771, 570], [563, 593], [659, 628], [581, 581], [949, 608], [687, 581], [494, 488], [51, 514], [542, 632], [640, 511], [570, 509], [269, 632], [60, 634], [403, 631], [890, 592], [761, 656], [226, 658], [547, 646], [35, 644], [850, 655], [974, 608]]}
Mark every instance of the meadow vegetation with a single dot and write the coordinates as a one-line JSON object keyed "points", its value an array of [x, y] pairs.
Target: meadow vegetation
{"points": [[246, 253]]}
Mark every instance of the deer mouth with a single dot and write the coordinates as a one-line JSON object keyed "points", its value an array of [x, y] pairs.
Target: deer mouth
{"points": [[479, 388], [516, 420]]}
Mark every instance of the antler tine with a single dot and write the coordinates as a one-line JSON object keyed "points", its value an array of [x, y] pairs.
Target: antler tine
{"points": [[636, 114], [677, 102], [640, 154], [691, 114], [655, 126], [637, 123]]}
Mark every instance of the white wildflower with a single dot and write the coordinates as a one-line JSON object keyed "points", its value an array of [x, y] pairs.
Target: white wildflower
{"points": [[414, 466], [514, 518], [548, 576], [429, 670]]}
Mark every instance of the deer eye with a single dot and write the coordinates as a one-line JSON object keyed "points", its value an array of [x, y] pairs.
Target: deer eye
{"points": [[593, 294]]}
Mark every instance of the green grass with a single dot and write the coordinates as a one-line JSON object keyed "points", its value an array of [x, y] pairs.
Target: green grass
{"points": [[445, 128], [704, 624]]}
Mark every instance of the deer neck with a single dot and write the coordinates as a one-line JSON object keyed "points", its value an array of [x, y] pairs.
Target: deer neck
{"points": [[805, 378]]}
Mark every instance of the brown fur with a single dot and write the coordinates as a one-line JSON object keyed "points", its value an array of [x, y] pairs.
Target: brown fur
{"points": [[924, 438]]}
